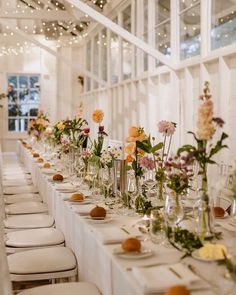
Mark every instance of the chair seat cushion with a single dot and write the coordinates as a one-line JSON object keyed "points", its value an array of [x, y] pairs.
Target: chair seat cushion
{"points": [[16, 182], [11, 199], [34, 238], [80, 288], [16, 176], [20, 190], [45, 260], [26, 208], [28, 221]]}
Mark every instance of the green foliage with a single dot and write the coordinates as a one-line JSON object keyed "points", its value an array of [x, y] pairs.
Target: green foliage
{"points": [[183, 240]]}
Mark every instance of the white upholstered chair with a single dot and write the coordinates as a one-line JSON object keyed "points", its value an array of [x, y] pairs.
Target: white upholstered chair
{"points": [[11, 199], [42, 264], [33, 239], [30, 207], [28, 221], [80, 288]]}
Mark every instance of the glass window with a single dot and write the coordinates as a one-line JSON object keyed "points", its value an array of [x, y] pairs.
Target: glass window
{"points": [[162, 26], [145, 32], [96, 59], [223, 27], [104, 54], [127, 48], [114, 58], [88, 65], [189, 28], [23, 100]]}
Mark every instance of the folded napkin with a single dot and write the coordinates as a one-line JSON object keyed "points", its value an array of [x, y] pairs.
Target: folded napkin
{"points": [[113, 235], [159, 278], [64, 186]]}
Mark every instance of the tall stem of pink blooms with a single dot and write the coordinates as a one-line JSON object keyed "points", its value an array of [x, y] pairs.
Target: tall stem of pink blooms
{"points": [[163, 150], [169, 147]]}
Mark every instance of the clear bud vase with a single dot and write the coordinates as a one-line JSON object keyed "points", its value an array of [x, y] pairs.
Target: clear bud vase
{"points": [[204, 216]]}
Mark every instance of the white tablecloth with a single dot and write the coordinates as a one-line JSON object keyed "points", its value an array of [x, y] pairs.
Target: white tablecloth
{"points": [[96, 261]]}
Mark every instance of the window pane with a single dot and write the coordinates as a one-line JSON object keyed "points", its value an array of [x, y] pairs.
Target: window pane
{"points": [[126, 14], [183, 4], [34, 81], [34, 95], [190, 32], [23, 124], [33, 110], [104, 54], [23, 110], [223, 28], [114, 58], [127, 59], [96, 59], [24, 95], [13, 110], [88, 65], [13, 125], [12, 80], [23, 81], [12, 95], [126, 46], [162, 26], [145, 32]]}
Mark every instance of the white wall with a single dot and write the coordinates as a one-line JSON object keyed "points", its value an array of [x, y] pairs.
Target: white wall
{"points": [[37, 61]]}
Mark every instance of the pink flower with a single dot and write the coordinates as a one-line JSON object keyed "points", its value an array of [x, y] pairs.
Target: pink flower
{"points": [[147, 163], [166, 127]]}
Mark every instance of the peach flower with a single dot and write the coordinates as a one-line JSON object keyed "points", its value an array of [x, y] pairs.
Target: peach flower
{"points": [[98, 116], [61, 126], [205, 126], [136, 134]]}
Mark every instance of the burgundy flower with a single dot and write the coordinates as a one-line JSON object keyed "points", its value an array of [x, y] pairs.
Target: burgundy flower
{"points": [[86, 131], [220, 122]]}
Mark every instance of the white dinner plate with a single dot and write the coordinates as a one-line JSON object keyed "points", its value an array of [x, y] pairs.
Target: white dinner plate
{"points": [[83, 202], [196, 255], [145, 253], [223, 217], [97, 220]]}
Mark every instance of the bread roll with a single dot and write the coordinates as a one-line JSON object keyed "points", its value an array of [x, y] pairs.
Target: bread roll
{"points": [[177, 290], [98, 212], [77, 197], [57, 177], [218, 212], [35, 155], [131, 245], [47, 165], [40, 160]]}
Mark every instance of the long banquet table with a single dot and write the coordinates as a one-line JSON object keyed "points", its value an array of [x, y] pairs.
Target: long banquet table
{"points": [[96, 261]]}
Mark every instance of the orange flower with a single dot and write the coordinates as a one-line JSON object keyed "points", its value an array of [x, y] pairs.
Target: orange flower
{"points": [[130, 148], [129, 159], [98, 116]]}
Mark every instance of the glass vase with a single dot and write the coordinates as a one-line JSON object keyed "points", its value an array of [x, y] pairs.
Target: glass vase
{"points": [[204, 216], [174, 210]]}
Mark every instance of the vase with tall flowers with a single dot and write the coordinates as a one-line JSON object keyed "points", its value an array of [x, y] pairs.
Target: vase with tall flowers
{"points": [[203, 153], [97, 145]]}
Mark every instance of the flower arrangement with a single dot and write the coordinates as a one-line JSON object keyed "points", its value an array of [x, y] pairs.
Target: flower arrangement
{"points": [[178, 174], [37, 126], [110, 154], [135, 136], [204, 150], [75, 130], [159, 152], [97, 145]]}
